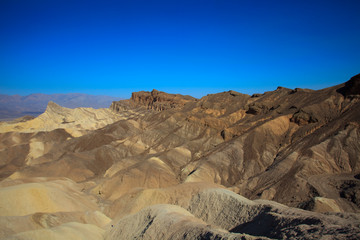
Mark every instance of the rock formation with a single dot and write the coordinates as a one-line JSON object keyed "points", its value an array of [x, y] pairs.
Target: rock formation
{"points": [[283, 164], [75, 121], [154, 100]]}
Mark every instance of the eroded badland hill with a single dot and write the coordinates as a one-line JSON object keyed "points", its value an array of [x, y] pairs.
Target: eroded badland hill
{"points": [[283, 164]]}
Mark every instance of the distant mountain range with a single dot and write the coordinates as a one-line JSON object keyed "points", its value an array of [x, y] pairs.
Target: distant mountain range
{"points": [[14, 106]]}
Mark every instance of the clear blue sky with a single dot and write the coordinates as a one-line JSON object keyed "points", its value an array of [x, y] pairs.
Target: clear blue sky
{"points": [[194, 47]]}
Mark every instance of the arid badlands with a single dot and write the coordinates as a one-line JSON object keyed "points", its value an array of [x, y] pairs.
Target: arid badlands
{"points": [[283, 164]]}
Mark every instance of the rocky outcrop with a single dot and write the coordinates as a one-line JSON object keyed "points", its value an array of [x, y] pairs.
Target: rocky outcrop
{"points": [[302, 118], [159, 101], [154, 100]]}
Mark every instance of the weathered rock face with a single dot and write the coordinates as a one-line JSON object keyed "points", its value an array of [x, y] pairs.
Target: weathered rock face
{"points": [[154, 100], [161, 101], [296, 147]]}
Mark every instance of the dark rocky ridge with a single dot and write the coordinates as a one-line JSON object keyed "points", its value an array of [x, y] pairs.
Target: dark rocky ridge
{"points": [[154, 100]]}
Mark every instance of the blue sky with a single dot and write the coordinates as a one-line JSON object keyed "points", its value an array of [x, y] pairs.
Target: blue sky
{"points": [[190, 47]]}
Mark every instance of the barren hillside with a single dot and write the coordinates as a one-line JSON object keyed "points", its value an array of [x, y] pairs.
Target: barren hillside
{"points": [[282, 164]]}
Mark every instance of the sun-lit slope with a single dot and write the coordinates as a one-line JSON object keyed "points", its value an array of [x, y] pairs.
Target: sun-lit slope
{"points": [[11, 225], [43, 195], [71, 230], [75, 121], [48, 208]]}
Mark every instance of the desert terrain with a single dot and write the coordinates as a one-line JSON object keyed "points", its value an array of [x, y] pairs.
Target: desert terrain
{"points": [[16, 106], [283, 164]]}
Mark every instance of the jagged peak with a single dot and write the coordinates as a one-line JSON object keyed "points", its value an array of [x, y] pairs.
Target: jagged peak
{"points": [[52, 106]]}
